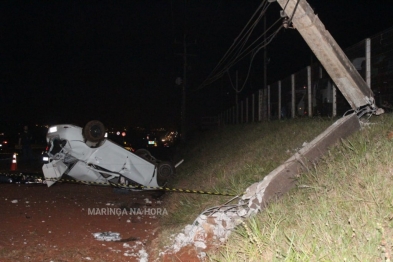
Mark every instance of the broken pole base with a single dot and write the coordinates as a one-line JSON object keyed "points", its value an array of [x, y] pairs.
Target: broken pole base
{"points": [[283, 178]]}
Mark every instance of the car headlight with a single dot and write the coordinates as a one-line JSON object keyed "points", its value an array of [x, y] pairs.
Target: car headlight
{"points": [[52, 129]]}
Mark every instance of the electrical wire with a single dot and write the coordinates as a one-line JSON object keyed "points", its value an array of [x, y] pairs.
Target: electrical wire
{"points": [[265, 44], [242, 52], [262, 13], [252, 59], [294, 11], [246, 52], [255, 49], [253, 27], [235, 58], [236, 42]]}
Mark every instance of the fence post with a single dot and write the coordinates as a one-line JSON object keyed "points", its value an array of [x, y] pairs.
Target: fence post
{"points": [[246, 109], [309, 91], [241, 112], [253, 108], [260, 101], [334, 113], [368, 62], [279, 100], [265, 101], [268, 102]]}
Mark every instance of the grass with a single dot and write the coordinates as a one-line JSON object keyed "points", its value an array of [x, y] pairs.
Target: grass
{"points": [[341, 210], [231, 158]]}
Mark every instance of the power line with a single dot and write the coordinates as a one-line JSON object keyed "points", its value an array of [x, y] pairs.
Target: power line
{"points": [[230, 59], [246, 52], [234, 45]]}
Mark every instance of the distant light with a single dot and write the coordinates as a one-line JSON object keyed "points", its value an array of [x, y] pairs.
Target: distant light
{"points": [[52, 129], [118, 133], [45, 158], [106, 134], [123, 134]]}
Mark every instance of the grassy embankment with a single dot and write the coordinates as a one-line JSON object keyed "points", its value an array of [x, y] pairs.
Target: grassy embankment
{"points": [[342, 209]]}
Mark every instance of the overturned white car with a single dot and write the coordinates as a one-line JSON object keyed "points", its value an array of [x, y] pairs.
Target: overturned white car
{"points": [[86, 155]]}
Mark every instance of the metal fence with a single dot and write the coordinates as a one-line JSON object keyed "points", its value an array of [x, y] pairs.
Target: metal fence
{"points": [[311, 92]]}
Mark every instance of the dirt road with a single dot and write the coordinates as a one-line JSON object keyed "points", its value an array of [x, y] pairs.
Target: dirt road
{"points": [[38, 223]]}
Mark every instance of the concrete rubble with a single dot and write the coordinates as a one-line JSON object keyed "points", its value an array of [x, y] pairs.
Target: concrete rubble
{"points": [[216, 224]]}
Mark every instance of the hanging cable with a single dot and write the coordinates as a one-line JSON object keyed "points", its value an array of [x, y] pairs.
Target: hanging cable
{"points": [[245, 52], [235, 43], [235, 58], [294, 11], [238, 49], [287, 21], [229, 59]]}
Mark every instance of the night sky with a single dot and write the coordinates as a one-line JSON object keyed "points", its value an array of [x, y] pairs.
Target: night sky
{"points": [[117, 61]]}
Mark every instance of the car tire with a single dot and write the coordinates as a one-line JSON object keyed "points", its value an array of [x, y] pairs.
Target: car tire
{"points": [[165, 171], [145, 154], [94, 131]]}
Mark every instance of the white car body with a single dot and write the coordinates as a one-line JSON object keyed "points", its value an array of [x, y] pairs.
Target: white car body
{"points": [[101, 162]]}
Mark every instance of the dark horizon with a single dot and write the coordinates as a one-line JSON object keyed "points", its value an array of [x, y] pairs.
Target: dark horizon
{"points": [[71, 62]]}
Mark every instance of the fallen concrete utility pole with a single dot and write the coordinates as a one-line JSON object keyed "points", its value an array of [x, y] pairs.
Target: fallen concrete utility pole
{"points": [[329, 53], [217, 223], [283, 178]]}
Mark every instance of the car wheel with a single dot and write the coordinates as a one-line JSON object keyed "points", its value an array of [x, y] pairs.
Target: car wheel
{"points": [[165, 171], [145, 154], [94, 131]]}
